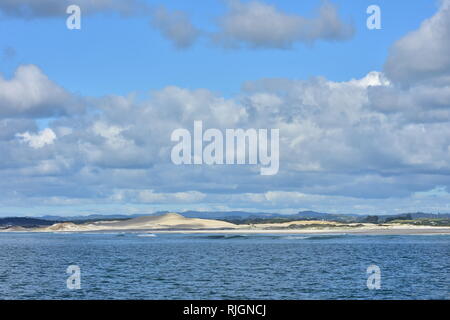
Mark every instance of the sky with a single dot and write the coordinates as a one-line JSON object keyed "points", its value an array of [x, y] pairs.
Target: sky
{"points": [[86, 115]]}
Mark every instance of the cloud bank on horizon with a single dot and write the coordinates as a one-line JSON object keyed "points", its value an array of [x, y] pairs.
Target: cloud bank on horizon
{"points": [[380, 143]]}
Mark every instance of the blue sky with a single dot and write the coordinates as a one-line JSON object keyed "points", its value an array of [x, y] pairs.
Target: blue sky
{"points": [[116, 55], [86, 114]]}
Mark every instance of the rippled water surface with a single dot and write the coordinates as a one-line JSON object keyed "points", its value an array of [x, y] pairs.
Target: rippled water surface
{"points": [[201, 266]]}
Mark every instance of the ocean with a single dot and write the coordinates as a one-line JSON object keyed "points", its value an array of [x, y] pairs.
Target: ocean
{"points": [[223, 266]]}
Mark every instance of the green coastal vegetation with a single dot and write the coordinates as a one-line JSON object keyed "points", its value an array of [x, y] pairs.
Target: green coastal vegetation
{"points": [[425, 222]]}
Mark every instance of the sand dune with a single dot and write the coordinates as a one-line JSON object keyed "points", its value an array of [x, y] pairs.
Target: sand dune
{"points": [[169, 221]]}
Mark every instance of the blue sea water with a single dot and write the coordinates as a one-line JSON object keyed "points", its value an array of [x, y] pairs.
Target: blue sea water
{"points": [[215, 266]]}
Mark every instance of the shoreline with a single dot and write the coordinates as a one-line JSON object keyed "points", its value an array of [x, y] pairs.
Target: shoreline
{"points": [[402, 231], [335, 231]]}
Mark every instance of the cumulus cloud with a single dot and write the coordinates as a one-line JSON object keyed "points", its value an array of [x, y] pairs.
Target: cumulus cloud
{"points": [[418, 66], [418, 103], [175, 26], [258, 25], [337, 143], [29, 93], [423, 53]]}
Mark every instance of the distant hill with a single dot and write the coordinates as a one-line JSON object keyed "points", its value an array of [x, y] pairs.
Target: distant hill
{"points": [[91, 217], [429, 215], [187, 214], [24, 222], [228, 214]]}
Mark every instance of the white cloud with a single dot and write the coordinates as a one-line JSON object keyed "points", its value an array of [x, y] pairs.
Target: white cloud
{"points": [[175, 26], [423, 53], [40, 140], [335, 142], [31, 94], [112, 135], [259, 25]]}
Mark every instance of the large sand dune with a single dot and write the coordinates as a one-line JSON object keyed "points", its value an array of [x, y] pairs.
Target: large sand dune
{"points": [[169, 221]]}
